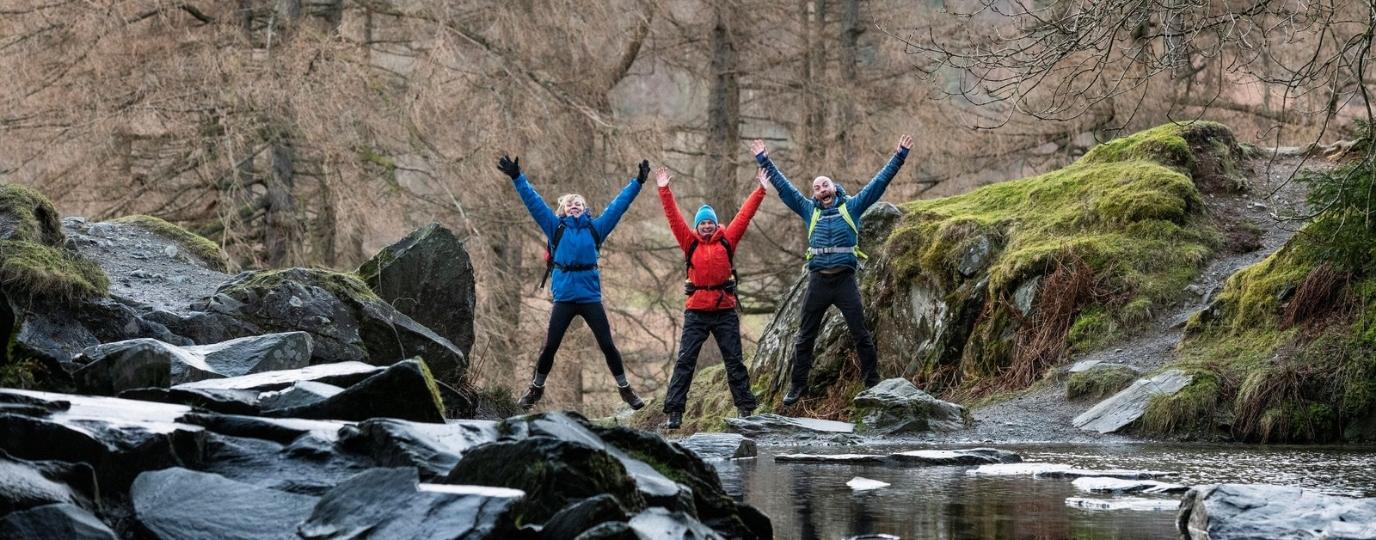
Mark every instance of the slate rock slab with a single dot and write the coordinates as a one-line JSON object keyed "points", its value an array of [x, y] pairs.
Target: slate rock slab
{"points": [[180, 504]]}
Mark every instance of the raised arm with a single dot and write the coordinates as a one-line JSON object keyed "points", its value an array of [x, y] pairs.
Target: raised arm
{"points": [[787, 193], [544, 217], [682, 232], [875, 189], [736, 229], [607, 221]]}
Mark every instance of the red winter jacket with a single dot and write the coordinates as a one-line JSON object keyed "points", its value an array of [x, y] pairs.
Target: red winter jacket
{"points": [[711, 265]]}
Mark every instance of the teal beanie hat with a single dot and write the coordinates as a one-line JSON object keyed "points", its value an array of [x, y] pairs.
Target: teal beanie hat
{"points": [[706, 213]]}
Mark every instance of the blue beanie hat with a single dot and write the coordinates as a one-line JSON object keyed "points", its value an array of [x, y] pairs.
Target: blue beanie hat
{"points": [[706, 213]]}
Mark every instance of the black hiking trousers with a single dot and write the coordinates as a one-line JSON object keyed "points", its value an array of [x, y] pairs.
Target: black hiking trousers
{"points": [[823, 291], [725, 326], [559, 319]]}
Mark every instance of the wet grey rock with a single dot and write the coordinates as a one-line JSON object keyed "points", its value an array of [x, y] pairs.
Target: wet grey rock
{"points": [[59, 521], [28, 484], [392, 503], [404, 390], [281, 430], [895, 406], [976, 256], [215, 400], [612, 530], [1084, 365], [661, 524], [830, 458], [256, 354], [342, 374], [1125, 407], [428, 277], [177, 504], [972, 456], [433, 449], [1122, 474], [578, 517], [1235, 511], [773, 425], [719, 445], [554, 473], [119, 438], [1026, 294], [347, 323], [111, 368], [1136, 504], [300, 394], [1100, 484]]}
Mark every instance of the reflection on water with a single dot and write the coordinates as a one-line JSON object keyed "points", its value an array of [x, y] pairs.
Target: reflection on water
{"points": [[813, 501]]}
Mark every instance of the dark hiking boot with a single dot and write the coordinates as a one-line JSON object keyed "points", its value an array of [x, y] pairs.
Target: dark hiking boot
{"points": [[794, 394], [629, 397], [532, 396], [675, 421], [871, 380], [745, 411]]}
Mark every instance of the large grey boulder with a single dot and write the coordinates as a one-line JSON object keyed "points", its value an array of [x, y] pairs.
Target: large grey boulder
{"points": [[896, 406], [256, 354], [557, 473], [340, 374], [54, 522], [433, 449], [392, 503], [1236, 511], [578, 517], [663, 524], [346, 320], [429, 277], [28, 484], [405, 390], [119, 438], [1126, 407], [111, 368], [299, 394], [176, 504]]}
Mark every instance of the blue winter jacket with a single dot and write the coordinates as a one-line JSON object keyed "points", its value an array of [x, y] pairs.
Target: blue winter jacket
{"points": [[576, 246], [832, 230]]}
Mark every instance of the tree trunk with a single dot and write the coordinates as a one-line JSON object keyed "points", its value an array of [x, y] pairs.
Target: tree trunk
{"points": [[851, 30], [723, 116], [281, 236]]}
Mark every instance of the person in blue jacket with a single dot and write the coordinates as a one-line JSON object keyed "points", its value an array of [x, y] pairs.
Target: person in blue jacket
{"points": [[574, 238], [833, 256]]}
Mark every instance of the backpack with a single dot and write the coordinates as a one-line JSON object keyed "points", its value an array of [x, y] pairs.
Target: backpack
{"points": [[554, 246], [730, 255], [845, 215]]}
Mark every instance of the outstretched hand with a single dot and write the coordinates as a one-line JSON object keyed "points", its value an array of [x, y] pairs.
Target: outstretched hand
{"points": [[509, 166], [762, 179], [643, 172], [905, 142], [662, 176], [757, 147]]}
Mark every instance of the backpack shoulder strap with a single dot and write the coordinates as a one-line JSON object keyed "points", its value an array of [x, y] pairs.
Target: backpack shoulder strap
{"points": [[845, 214], [688, 255], [596, 237]]}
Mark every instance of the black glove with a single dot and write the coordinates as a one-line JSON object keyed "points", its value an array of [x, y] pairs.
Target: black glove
{"points": [[644, 171], [511, 167]]}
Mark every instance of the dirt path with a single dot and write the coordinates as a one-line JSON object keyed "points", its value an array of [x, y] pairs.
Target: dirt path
{"points": [[1042, 414]]}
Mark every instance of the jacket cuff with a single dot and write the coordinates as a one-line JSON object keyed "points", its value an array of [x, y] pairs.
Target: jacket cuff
{"points": [[761, 159], [902, 152]]}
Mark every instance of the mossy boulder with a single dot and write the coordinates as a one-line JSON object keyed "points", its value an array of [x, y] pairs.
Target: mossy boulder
{"points": [[1099, 381], [346, 320], [405, 391], [208, 252], [984, 291], [35, 262], [429, 277]]}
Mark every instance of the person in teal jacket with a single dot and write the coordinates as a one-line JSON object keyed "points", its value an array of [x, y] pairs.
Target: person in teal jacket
{"points": [[574, 237], [833, 256]]}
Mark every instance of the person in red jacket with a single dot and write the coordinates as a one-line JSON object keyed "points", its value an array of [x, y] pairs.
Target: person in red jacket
{"points": [[709, 250]]}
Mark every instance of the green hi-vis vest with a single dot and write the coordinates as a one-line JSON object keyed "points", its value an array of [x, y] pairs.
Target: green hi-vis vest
{"points": [[845, 214]]}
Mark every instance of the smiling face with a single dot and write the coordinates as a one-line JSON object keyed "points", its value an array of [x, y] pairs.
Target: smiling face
{"points": [[823, 189], [706, 227], [572, 204]]}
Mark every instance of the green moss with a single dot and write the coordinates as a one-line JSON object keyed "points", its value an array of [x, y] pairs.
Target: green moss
{"points": [[41, 271], [34, 217], [21, 374], [1163, 144], [341, 284], [198, 245], [1099, 382], [431, 384]]}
